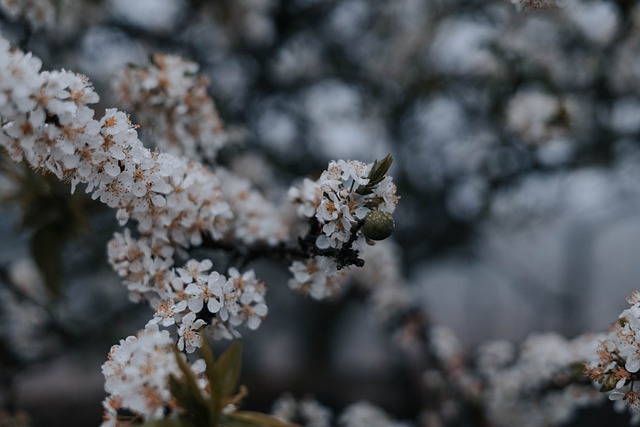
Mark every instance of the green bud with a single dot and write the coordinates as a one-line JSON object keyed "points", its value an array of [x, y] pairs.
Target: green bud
{"points": [[609, 384], [378, 225]]}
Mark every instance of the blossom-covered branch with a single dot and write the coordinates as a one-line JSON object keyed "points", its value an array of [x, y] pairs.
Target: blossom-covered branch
{"points": [[175, 203], [615, 368]]}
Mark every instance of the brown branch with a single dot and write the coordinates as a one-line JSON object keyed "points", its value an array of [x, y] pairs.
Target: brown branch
{"points": [[305, 248]]}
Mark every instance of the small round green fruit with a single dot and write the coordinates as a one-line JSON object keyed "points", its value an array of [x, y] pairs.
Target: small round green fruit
{"points": [[378, 225]]}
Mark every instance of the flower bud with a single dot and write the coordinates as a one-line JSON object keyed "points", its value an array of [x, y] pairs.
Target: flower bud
{"points": [[609, 383], [378, 225]]}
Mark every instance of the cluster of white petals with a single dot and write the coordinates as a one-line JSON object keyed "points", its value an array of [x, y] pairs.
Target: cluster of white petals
{"points": [[537, 4], [365, 414], [305, 411], [172, 204], [169, 99], [536, 116], [540, 386], [137, 376], [616, 366], [334, 203], [317, 277], [38, 13], [173, 201], [256, 219], [381, 277], [333, 200], [308, 412]]}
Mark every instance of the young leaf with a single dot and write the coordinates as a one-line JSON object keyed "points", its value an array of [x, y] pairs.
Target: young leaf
{"points": [[190, 381], [376, 175], [215, 405], [237, 398], [207, 354], [228, 368], [185, 397], [181, 393], [206, 351]]}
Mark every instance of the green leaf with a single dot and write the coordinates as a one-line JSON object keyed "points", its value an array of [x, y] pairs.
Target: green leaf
{"points": [[206, 351], [215, 400], [376, 175], [193, 406], [207, 354], [253, 419], [189, 379], [228, 369], [379, 169], [194, 409], [180, 391], [188, 394]]}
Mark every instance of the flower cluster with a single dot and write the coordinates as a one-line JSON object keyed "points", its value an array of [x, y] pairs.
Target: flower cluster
{"points": [[616, 367], [180, 294], [256, 219], [540, 386], [365, 414], [310, 413], [173, 205], [537, 4], [342, 197], [171, 103], [173, 201], [306, 411], [137, 376], [381, 277], [338, 205], [39, 13], [536, 116], [317, 277]]}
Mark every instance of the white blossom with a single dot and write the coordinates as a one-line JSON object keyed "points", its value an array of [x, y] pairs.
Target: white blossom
{"points": [[617, 362], [307, 411], [333, 200], [189, 332], [365, 414], [137, 375], [317, 277], [171, 201], [537, 388], [38, 13], [171, 101]]}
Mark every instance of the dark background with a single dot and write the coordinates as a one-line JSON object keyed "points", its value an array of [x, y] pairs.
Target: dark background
{"points": [[517, 156]]}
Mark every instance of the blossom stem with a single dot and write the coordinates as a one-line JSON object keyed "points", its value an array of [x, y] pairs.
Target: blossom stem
{"points": [[243, 254]]}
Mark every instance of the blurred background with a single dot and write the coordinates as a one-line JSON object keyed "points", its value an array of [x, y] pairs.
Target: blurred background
{"points": [[516, 144]]}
